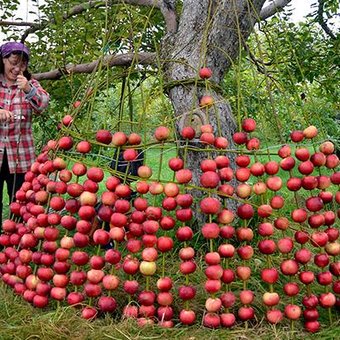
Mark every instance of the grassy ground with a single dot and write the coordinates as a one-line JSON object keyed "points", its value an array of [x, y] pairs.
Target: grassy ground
{"points": [[19, 320]]}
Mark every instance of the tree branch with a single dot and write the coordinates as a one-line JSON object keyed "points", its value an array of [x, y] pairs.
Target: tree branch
{"points": [[80, 8], [322, 22], [144, 58], [168, 10], [16, 23], [73, 11], [273, 8], [150, 3]]}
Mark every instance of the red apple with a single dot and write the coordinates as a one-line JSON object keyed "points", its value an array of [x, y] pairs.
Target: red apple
{"points": [[188, 132], [83, 147], [187, 317], [274, 316], [206, 101], [205, 73], [297, 136], [240, 137], [310, 132], [162, 133]]}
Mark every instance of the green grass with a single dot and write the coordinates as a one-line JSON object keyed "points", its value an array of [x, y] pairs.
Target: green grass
{"points": [[19, 320]]}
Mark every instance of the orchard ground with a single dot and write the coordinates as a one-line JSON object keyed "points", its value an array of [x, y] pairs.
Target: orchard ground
{"points": [[19, 320]]}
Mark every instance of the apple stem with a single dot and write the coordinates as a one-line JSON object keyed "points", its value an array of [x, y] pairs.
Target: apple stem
{"points": [[147, 286], [262, 198], [160, 161], [292, 325], [187, 279], [163, 264], [126, 172], [39, 244], [268, 261], [98, 249], [186, 305], [48, 203], [296, 199], [117, 158], [35, 268], [271, 288], [211, 245], [90, 301], [330, 316], [185, 152]]}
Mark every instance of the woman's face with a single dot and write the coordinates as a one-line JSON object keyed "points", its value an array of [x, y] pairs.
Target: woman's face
{"points": [[14, 65]]}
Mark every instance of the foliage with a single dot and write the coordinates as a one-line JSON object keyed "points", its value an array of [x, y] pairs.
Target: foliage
{"points": [[290, 79]]}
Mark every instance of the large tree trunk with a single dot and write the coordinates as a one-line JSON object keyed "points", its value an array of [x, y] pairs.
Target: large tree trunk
{"points": [[210, 33]]}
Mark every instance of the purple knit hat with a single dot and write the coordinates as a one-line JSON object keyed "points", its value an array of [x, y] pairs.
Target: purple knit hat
{"points": [[10, 47]]}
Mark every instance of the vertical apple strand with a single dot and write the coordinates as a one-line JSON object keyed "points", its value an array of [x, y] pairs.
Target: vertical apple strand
{"points": [[186, 292], [226, 250], [304, 255], [267, 246], [313, 204], [184, 233]]}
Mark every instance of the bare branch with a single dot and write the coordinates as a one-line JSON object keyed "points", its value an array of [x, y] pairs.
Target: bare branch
{"points": [[150, 3], [127, 59], [274, 7], [322, 22], [16, 23]]}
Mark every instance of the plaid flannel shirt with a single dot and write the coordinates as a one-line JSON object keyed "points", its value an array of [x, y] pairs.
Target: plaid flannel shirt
{"points": [[16, 137]]}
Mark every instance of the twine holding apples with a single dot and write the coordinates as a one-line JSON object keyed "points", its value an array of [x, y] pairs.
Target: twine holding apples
{"points": [[81, 234]]}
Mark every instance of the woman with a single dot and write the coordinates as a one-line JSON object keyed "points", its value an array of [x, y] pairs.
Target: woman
{"points": [[20, 97]]}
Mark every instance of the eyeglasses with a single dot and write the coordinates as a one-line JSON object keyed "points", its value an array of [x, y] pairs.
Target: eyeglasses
{"points": [[17, 63]]}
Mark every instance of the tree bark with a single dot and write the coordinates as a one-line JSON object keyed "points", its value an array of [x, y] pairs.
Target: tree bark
{"points": [[210, 33]]}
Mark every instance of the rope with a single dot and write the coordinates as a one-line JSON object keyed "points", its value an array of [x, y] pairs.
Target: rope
{"points": [[19, 134], [194, 81], [17, 150]]}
